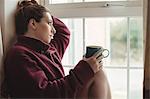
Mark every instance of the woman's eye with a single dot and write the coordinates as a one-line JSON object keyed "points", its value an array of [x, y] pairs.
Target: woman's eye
{"points": [[50, 23]]}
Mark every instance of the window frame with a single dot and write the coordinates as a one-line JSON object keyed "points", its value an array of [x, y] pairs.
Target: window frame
{"points": [[105, 9]]}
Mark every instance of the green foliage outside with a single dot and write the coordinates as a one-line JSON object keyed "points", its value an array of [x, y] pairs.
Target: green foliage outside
{"points": [[119, 33]]}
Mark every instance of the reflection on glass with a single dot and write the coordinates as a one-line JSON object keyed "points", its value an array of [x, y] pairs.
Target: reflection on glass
{"points": [[74, 51], [118, 83], [136, 42], [136, 82]]}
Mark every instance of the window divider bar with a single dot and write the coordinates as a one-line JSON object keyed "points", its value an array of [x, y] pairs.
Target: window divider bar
{"points": [[109, 67], [128, 57], [84, 45]]}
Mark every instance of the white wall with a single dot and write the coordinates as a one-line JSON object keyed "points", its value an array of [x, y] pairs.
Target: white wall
{"points": [[7, 9]]}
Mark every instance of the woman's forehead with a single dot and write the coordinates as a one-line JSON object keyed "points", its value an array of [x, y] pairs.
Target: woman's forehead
{"points": [[48, 16]]}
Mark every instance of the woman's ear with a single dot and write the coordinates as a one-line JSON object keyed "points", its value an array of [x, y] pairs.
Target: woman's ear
{"points": [[32, 24]]}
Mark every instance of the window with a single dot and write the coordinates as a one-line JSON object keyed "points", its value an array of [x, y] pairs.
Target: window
{"points": [[113, 24]]}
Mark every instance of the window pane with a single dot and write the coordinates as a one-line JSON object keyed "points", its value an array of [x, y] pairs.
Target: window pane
{"points": [[136, 82], [118, 41], [136, 42], [74, 51], [111, 33], [118, 83]]}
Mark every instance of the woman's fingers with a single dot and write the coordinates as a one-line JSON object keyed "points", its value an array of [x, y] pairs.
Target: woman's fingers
{"points": [[99, 58], [100, 64]]}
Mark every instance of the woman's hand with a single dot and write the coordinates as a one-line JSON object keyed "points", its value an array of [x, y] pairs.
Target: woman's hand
{"points": [[95, 61]]}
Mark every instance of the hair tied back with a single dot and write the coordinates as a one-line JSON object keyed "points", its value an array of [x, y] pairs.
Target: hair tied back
{"points": [[24, 3]]}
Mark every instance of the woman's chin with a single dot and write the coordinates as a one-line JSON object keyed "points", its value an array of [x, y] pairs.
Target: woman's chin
{"points": [[49, 41]]}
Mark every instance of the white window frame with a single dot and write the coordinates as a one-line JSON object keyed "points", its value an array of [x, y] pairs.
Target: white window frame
{"points": [[90, 9]]}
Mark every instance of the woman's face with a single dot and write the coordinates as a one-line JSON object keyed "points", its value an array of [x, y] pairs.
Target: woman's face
{"points": [[45, 30]]}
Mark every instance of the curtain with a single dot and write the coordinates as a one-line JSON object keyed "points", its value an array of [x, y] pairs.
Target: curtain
{"points": [[146, 83]]}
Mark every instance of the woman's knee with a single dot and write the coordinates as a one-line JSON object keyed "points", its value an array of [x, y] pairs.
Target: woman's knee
{"points": [[99, 88], [96, 88]]}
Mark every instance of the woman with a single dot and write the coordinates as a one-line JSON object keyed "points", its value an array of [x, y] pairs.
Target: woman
{"points": [[33, 66]]}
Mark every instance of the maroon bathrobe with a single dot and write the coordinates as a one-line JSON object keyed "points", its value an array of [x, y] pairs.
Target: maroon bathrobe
{"points": [[33, 68]]}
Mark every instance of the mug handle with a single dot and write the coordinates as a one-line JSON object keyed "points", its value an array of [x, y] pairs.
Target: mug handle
{"points": [[107, 53]]}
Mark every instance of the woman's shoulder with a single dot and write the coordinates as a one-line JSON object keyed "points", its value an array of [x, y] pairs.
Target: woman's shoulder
{"points": [[19, 48], [16, 50]]}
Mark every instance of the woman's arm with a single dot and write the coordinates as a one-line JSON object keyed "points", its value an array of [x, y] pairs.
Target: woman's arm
{"points": [[61, 37]]}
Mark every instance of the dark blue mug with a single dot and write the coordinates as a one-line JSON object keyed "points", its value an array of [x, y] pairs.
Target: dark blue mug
{"points": [[90, 50]]}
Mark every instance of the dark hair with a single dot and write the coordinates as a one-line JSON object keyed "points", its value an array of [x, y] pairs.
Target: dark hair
{"points": [[27, 10]]}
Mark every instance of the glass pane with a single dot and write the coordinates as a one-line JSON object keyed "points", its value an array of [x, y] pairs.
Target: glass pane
{"points": [[118, 41], [136, 42], [136, 84], [118, 83], [74, 51], [111, 33]]}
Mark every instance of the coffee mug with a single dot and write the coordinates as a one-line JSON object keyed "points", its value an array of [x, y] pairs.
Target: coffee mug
{"points": [[90, 50]]}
